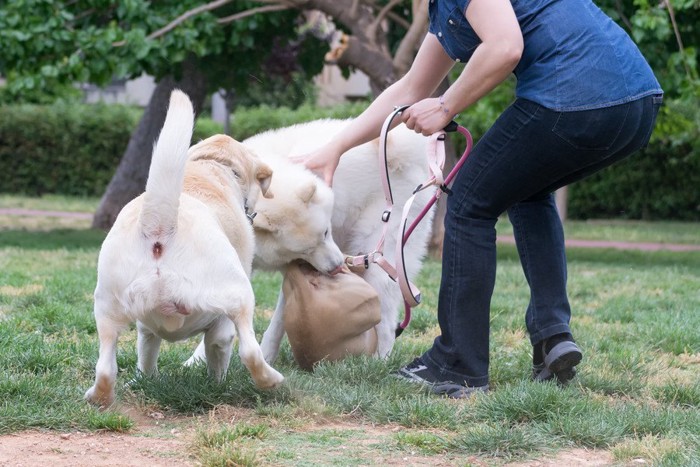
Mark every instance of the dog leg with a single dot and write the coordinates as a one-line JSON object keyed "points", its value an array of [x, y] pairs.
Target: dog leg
{"points": [[199, 355], [148, 347], [251, 354], [389, 300], [102, 392], [218, 345], [272, 338]]}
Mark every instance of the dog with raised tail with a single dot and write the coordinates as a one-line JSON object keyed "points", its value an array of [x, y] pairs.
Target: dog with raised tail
{"points": [[178, 259]]}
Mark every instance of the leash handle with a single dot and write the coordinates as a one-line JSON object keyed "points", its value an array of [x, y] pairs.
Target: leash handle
{"points": [[451, 127], [383, 158]]}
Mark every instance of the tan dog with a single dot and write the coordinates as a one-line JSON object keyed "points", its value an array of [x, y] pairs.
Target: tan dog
{"points": [[178, 258], [328, 317]]}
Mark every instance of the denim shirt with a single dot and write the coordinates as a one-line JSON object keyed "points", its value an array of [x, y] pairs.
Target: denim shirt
{"points": [[575, 57]]}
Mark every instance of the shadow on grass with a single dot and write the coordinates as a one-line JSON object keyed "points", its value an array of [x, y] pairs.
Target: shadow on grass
{"points": [[52, 239]]}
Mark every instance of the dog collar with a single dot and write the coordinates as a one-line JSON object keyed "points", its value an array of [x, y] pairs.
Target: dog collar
{"points": [[249, 215]]}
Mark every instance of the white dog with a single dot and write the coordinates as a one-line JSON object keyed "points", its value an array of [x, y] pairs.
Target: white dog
{"points": [[309, 221], [178, 258]]}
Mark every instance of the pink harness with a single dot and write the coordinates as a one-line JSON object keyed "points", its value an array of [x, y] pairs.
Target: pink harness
{"points": [[436, 161]]}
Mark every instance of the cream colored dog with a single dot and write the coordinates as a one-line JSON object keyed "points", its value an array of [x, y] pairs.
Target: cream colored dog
{"points": [[178, 258], [308, 220]]}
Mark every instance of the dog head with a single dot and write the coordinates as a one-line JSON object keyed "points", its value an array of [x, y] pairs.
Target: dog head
{"points": [[248, 170], [296, 224]]}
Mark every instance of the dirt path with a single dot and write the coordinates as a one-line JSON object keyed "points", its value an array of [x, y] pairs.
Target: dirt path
{"points": [[170, 445], [640, 246], [77, 449], [156, 440], [507, 239]]}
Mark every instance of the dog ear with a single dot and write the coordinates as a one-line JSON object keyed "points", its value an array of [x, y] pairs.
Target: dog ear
{"points": [[307, 192], [262, 223], [263, 174]]}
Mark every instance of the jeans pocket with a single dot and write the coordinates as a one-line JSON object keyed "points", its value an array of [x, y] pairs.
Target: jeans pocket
{"points": [[592, 130]]}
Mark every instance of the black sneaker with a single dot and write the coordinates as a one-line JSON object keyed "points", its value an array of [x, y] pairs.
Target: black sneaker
{"points": [[540, 372], [418, 372], [560, 360]]}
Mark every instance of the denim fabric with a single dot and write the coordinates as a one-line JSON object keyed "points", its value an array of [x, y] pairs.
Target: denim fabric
{"points": [[528, 153], [575, 57]]}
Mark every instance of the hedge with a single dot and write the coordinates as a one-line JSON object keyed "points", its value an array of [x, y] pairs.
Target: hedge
{"points": [[75, 149]]}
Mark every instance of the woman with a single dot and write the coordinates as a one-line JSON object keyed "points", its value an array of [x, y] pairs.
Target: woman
{"points": [[585, 98]]}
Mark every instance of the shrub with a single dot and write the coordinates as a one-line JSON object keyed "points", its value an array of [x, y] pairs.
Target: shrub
{"points": [[75, 149], [62, 148]]}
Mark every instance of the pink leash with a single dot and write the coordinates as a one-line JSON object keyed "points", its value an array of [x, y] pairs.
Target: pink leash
{"points": [[436, 161]]}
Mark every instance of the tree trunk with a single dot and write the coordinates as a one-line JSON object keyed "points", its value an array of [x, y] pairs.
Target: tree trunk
{"points": [[129, 180]]}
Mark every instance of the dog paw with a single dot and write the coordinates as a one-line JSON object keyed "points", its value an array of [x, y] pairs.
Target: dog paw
{"points": [[101, 398], [271, 379]]}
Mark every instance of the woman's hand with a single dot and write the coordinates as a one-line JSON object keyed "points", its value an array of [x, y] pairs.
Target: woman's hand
{"points": [[322, 162], [427, 116]]}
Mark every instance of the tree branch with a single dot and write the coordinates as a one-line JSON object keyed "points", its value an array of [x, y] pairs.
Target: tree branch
{"points": [[181, 19], [382, 14], [672, 15], [251, 12], [623, 18], [408, 46]]}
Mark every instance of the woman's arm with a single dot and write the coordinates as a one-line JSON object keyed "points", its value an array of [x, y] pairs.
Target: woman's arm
{"points": [[499, 52], [429, 68]]}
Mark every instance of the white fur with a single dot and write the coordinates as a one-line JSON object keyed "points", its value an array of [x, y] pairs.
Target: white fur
{"points": [[287, 228], [171, 263]]}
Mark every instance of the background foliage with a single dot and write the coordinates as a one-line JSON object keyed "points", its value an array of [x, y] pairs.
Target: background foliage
{"points": [[47, 45], [74, 150]]}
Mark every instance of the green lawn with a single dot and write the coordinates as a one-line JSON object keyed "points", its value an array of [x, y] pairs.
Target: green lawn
{"points": [[637, 395]]}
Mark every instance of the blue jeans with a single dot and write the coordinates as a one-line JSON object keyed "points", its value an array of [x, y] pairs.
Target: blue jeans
{"points": [[517, 165]]}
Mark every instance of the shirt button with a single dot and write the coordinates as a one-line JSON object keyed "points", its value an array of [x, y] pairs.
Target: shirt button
{"points": [[450, 21], [439, 34]]}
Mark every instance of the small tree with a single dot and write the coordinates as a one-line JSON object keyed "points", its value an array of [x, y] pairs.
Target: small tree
{"points": [[47, 45]]}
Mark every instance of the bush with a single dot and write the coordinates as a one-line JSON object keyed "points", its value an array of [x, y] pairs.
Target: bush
{"points": [[75, 149], [62, 148], [247, 122], [659, 182], [68, 149]]}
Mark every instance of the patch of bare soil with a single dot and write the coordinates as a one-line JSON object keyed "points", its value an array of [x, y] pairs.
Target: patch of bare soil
{"points": [[91, 449], [156, 441], [160, 440], [571, 458]]}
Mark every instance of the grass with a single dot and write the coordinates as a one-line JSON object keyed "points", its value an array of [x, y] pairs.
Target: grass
{"points": [[636, 315]]}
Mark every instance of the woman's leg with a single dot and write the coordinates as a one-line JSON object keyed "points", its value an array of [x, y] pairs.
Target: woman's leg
{"points": [[529, 152]]}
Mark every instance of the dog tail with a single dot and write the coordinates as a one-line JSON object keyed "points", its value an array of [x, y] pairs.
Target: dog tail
{"points": [[165, 177]]}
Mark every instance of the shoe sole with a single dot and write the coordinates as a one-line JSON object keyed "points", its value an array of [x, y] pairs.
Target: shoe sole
{"points": [[442, 388], [457, 391], [560, 363], [562, 359]]}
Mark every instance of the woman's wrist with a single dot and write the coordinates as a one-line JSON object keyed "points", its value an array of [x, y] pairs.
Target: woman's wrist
{"points": [[443, 106]]}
